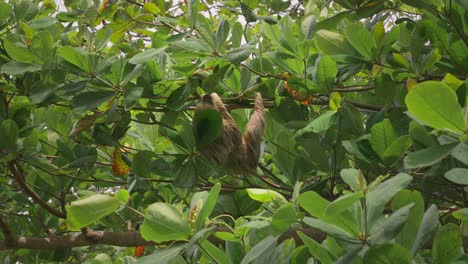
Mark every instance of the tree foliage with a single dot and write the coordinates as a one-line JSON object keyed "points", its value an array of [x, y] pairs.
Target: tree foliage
{"points": [[365, 155]]}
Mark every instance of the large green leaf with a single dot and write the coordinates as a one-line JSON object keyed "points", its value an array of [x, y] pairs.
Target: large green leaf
{"points": [[362, 40], [331, 230], [429, 156], [18, 68], [214, 253], [163, 222], [354, 179], [260, 248], [344, 202], [86, 211], [457, 175], [75, 57], [162, 256], [429, 225], [436, 105], [326, 73], [89, 100], [318, 251], [379, 197], [9, 132], [387, 254], [447, 244], [208, 207], [402, 199], [284, 217], [319, 124], [392, 226], [331, 43], [382, 136], [397, 149]]}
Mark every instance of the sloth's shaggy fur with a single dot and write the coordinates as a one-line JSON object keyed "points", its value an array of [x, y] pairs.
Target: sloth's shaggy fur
{"points": [[236, 152]]}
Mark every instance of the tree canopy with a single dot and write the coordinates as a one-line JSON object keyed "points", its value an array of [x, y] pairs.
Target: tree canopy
{"points": [[365, 152]]}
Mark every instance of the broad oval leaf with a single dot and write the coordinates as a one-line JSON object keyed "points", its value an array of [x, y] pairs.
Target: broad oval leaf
{"points": [[428, 226], [86, 211], [362, 40], [457, 175], [428, 156], [326, 73], [388, 254], [447, 244], [163, 222], [436, 105]]}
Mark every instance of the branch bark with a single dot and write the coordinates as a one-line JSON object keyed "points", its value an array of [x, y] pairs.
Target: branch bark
{"points": [[122, 239], [19, 178]]}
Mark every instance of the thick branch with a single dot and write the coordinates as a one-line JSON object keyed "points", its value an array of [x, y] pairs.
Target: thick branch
{"points": [[122, 239], [133, 239], [9, 238], [36, 198]]}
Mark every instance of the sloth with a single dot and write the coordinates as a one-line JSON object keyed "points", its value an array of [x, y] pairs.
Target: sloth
{"points": [[237, 153]]}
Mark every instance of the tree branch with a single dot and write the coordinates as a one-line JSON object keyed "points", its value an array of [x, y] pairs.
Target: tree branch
{"points": [[13, 167], [9, 238], [122, 239]]}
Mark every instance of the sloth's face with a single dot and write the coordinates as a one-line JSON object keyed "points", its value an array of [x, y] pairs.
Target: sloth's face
{"points": [[205, 103], [206, 98]]}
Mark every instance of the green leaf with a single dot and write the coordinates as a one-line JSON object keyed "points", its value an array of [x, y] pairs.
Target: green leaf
{"points": [[326, 73], [403, 198], [458, 52], [284, 217], [43, 22], [222, 33], [18, 68], [447, 244], [344, 202], [318, 251], [207, 126], [75, 57], [320, 124], [86, 211], [436, 105], [259, 249], [162, 256], [264, 195], [9, 132], [388, 254], [248, 13], [313, 203], [461, 214], [132, 97], [331, 230], [392, 226], [90, 100], [308, 26], [362, 40], [353, 178], [377, 198], [163, 222], [331, 43], [214, 253], [457, 175], [5, 10], [428, 156], [147, 55], [429, 225], [240, 54], [123, 196], [397, 149], [382, 136], [208, 206]]}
